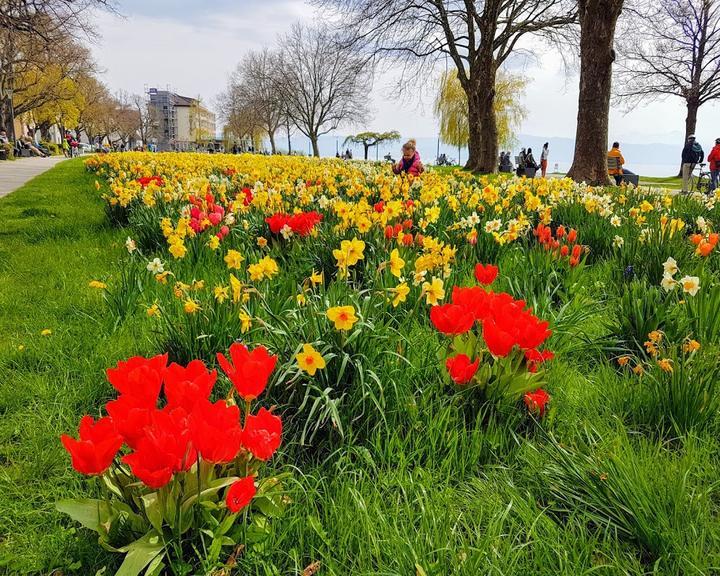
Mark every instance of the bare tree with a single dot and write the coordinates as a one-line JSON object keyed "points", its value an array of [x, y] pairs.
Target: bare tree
{"points": [[598, 19], [322, 84], [673, 50], [46, 18], [477, 36], [253, 89], [146, 115]]}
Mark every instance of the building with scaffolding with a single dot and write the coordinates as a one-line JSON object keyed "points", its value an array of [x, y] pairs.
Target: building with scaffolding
{"points": [[180, 123]]}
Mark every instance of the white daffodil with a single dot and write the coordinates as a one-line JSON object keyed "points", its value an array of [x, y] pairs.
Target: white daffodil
{"points": [[618, 241], [690, 284], [156, 266], [286, 232], [670, 267], [130, 245], [615, 221], [668, 282]]}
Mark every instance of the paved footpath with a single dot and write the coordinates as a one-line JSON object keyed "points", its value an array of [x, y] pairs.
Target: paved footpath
{"points": [[14, 173]]}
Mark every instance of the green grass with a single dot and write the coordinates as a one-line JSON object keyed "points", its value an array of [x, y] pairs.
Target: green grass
{"points": [[432, 489], [671, 182]]}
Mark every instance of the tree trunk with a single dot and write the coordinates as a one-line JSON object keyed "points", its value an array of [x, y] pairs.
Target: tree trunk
{"points": [[488, 159], [271, 134], [597, 33], [315, 147], [690, 123], [474, 133], [367, 147], [482, 123]]}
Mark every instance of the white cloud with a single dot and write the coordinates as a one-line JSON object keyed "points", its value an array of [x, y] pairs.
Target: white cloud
{"points": [[192, 49]]}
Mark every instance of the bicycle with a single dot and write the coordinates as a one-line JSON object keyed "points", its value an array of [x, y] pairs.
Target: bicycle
{"points": [[700, 182]]}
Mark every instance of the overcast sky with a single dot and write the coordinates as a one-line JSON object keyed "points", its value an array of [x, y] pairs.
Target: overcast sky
{"points": [[192, 46]]}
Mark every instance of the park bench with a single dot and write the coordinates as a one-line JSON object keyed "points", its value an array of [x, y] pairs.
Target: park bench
{"points": [[528, 171], [613, 163]]}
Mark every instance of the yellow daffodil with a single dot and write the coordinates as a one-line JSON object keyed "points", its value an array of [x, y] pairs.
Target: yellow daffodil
{"points": [[233, 259], [45, 332], [97, 285], [396, 263], [245, 321], [310, 360], [153, 310], [342, 316], [400, 293], [691, 346], [190, 306], [433, 291]]}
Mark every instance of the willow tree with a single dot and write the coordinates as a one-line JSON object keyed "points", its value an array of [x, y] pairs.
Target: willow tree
{"points": [[475, 36], [451, 108]]}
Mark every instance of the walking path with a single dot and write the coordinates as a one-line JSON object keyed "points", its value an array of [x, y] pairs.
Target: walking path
{"points": [[14, 174]]}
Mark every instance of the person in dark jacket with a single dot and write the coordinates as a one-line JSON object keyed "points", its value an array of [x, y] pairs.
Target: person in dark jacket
{"points": [[692, 154]]}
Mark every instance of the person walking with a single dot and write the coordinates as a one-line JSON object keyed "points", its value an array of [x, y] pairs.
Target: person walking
{"points": [[692, 154], [714, 162], [544, 158]]}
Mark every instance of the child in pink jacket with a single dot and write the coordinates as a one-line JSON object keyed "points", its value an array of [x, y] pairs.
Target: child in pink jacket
{"points": [[410, 162]]}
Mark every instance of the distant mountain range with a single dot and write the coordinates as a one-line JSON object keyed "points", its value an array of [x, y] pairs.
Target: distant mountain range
{"points": [[652, 159]]}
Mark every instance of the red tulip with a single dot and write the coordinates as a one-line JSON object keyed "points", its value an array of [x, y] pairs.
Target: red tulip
{"points": [[486, 274], [498, 341], [249, 371], [572, 236], [536, 401], [304, 222], [475, 300], [163, 450], [533, 357], [186, 386], [262, 434], [460, 369], [97, 446], [215, 431], [560, 232], [379, 206], [564, 251], [240, 494], [277, 221], [130, 418], [139, 377], [451, 319]]}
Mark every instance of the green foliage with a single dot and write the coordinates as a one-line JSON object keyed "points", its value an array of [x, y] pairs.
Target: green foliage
{"points": [[391, 473], [451, 106]]}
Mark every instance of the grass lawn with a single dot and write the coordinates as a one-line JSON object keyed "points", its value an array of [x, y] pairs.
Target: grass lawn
{"points": [[431, 490]]}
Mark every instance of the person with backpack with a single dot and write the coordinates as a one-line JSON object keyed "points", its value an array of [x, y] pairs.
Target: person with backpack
{"points": [[714, 162], [692, 154], [521, 160]]}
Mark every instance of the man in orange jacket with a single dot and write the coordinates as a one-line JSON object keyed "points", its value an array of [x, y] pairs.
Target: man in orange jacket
{"points": [[619, 171]]}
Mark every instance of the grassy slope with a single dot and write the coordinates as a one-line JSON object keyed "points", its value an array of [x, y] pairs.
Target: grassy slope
{"points": [[54, 239], [428, 494]]}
